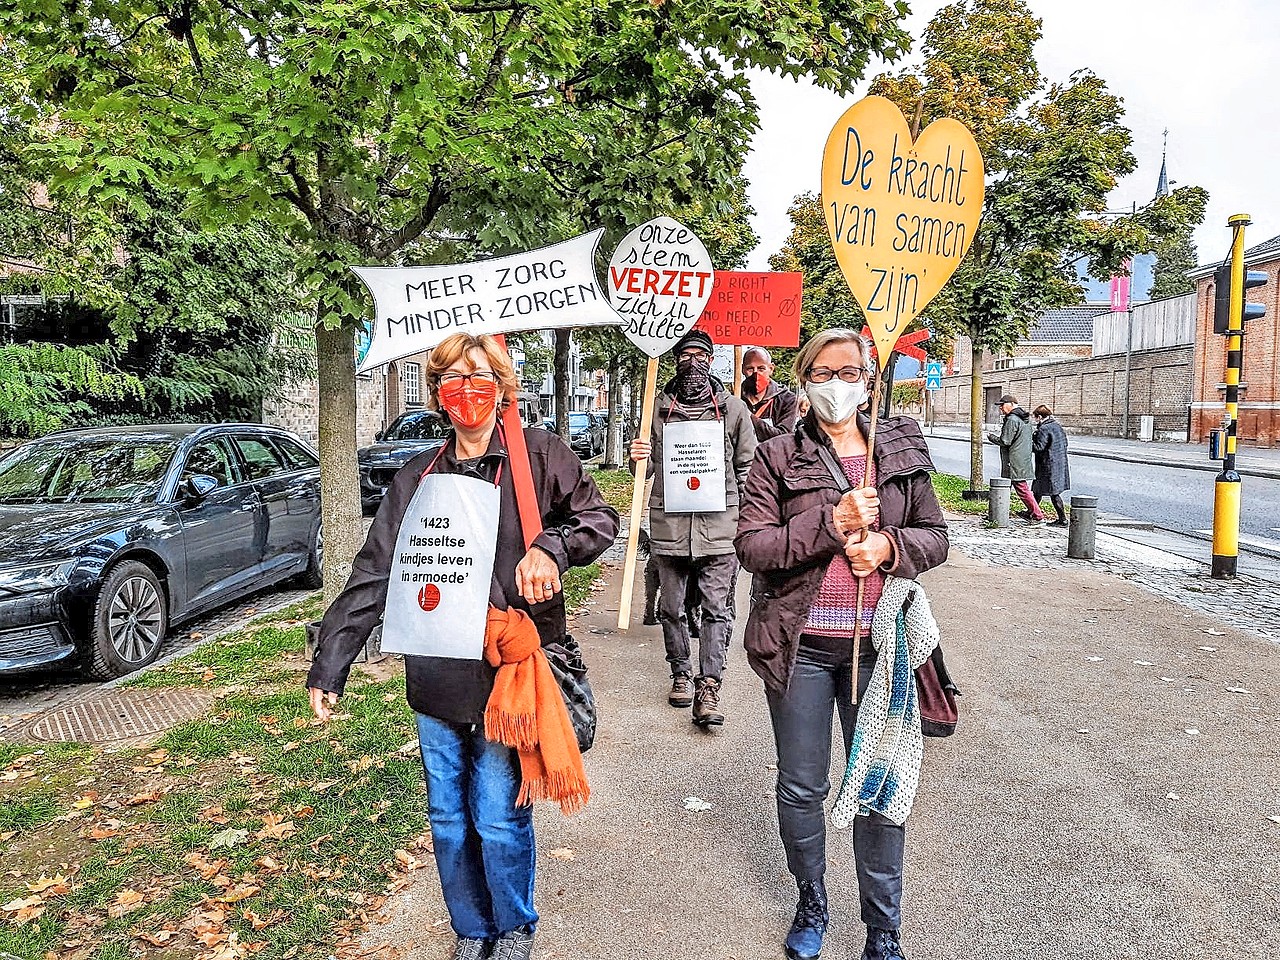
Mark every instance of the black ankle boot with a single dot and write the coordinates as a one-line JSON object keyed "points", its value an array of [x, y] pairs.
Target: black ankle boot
{"points": [[804, 939], [882, 945]]}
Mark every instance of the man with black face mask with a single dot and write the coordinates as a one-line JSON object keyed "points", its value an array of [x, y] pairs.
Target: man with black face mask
{"points": [[699, 453], [772, 406]]}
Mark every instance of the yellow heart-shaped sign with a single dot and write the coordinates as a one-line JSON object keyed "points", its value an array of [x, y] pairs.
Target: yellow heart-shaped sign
{"points": [[901, 215]]}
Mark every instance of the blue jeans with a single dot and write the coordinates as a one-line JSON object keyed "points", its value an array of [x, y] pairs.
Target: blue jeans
{"points": [[821, 684], [483, 842]]}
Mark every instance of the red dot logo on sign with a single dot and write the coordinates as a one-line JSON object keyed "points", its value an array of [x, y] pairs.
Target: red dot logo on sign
{"points": [[429, 597], [694, 483]]}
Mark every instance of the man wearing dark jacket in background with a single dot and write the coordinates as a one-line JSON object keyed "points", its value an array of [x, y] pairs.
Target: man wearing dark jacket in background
{"points": [[772, 406], [699, 453], [1016, 460]]}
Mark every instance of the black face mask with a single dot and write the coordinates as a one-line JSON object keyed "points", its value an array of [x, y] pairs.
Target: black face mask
{"points": [[693, 380]]}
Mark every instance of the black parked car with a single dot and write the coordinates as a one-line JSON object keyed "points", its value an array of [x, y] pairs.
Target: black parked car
{"points": [[409, 434], [586, 434], [110, 536]]}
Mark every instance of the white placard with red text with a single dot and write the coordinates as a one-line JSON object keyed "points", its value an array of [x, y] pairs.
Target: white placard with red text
{"points": [[693, 466], [660, 279]]}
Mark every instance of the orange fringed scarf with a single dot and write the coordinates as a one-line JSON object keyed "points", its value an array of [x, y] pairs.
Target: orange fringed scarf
{"points": [[526, 711]]}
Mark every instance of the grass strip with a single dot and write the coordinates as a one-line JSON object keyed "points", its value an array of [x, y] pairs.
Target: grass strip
{"points": [[948, 488], [615, 487]]}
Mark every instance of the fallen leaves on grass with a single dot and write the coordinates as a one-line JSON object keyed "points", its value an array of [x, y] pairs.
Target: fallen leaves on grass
{"points": [[103, 829], [202, 865], [230, 837], [408, 862], [54, 886], [157, 938], [127, 901], [276, 828], [146, 796], [241, 891], [25, 910]]}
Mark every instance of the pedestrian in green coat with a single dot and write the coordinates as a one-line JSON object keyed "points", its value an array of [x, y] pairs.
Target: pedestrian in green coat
{"points": [[1017, 461]]}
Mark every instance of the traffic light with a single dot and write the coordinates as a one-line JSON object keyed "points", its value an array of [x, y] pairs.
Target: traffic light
{"points": [[1222, 298]]}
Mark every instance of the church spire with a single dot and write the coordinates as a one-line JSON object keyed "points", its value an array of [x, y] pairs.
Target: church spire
{"points": [[1162, 185]]}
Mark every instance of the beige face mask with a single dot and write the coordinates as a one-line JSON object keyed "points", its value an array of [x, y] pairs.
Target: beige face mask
{"points": [[835, 401]]}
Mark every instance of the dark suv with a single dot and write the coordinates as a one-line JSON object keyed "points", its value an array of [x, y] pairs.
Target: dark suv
{"points": [[409, 434]]}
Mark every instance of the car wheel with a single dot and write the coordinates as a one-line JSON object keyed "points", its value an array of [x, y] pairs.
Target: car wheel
{"points": [[314, 577], [130, 620]]}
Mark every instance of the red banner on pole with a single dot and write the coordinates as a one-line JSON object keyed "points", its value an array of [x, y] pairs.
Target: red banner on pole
{"points": [[753, 309]]}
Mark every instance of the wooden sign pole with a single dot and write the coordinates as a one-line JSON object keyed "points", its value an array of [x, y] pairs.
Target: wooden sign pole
{"points": [[737, 372], [867, 482], [637, 498]]}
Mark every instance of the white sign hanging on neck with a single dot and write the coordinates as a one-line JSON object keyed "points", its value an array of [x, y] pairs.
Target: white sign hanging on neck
{"points": [[693, 466]]}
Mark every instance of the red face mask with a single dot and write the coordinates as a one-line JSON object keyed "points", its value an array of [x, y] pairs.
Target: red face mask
{"points": [[469, 403]]}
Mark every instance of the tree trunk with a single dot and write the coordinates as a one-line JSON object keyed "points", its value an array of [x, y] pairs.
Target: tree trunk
{"points": [[339, 480], [613, 440], [562, 384], [886, 405], [975, 420]]}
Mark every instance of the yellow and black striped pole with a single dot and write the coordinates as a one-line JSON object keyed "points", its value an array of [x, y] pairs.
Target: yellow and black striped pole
{"points": [[1226, 490]]}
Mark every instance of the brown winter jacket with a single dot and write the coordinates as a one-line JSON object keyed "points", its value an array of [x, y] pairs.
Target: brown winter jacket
{"points": [[787, 533]]}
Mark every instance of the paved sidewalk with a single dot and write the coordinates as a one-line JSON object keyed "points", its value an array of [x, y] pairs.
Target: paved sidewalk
{"points": [[1250, 603], [1110, 793], [1251, 461]]}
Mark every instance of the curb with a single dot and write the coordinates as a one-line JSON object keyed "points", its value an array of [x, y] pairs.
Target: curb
{"points": [[1266, 473]]}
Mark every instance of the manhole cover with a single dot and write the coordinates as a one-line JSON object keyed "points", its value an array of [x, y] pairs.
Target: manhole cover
{"points": [[121, 715]]}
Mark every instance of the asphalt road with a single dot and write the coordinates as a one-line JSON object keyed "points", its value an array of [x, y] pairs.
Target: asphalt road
{"points": [[1169, 497]]}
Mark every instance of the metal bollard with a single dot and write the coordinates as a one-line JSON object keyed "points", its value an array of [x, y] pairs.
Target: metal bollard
{"points": [[1083, 529], [998, 501]]}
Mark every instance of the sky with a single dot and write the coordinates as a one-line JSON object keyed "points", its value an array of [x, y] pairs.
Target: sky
{"points": [[1202, 70]]}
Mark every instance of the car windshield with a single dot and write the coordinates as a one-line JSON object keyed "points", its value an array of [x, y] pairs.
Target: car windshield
{"points": [[121, 469], [578, 421], [420, 427]]}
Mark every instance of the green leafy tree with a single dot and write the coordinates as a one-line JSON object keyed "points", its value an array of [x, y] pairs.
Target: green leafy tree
{"points": [[1053, 152], [374, 130], [43, 386], [1176, 252], [827, 301]]}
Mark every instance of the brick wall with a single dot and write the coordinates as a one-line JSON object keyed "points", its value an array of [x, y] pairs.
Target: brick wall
{"points": [[1087, 395], [1260, 373], [297, 409]]}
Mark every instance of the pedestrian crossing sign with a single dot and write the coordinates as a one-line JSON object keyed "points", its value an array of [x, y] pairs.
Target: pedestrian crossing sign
{"points": [[933, 375]]}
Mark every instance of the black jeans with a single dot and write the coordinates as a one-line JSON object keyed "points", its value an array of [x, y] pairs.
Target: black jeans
{"points": [[801, 718], [714, 578]]}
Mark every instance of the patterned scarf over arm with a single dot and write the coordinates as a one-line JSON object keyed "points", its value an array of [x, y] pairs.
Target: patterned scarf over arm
{"points": [[888, 747]]}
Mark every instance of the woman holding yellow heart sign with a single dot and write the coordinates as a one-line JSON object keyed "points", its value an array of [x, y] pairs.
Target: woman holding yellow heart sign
{"points": [[810, 531]]}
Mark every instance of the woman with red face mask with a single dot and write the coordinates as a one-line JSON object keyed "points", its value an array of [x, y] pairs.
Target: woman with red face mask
{"points": [[446, 569]]}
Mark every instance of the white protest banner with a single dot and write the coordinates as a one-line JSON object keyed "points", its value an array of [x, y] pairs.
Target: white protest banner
{"points": [[544, 289], [660, 280]]}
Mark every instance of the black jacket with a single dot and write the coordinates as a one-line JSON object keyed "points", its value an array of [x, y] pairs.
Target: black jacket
{"points": [[774, 414], [578, 527]]}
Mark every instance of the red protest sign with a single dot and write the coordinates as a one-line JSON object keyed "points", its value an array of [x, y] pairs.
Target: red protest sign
{"points": [[907, 345], [753, 309]]}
